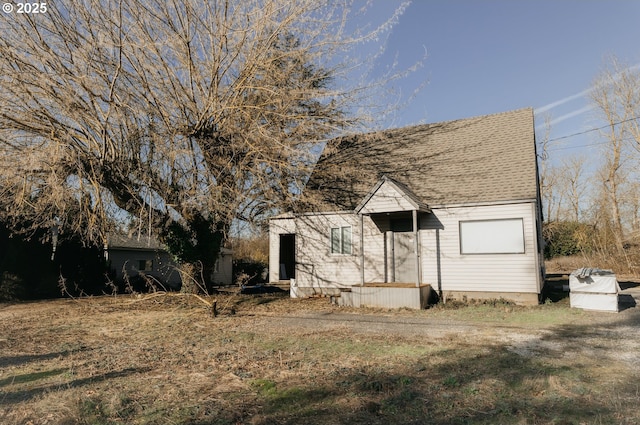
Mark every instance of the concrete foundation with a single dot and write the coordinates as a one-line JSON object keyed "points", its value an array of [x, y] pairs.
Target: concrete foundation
{"points": [[519, 298]]}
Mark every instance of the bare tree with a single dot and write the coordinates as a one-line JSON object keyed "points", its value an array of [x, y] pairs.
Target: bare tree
{"points": [[633, 197], [552, 193], [574, 185], [616, 94], [186, 115], [549, 175]]}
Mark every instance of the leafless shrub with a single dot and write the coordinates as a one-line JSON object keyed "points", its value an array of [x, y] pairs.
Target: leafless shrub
{"points": [[254, 249], [242, 279], [111, 286], [64, 288]]}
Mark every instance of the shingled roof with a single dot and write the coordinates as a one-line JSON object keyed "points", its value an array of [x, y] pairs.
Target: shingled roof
{"points": [[489, 158], [143, 243]]}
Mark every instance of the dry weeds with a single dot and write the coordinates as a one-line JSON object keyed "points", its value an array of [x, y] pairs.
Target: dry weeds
{"points": [[272, 360]]}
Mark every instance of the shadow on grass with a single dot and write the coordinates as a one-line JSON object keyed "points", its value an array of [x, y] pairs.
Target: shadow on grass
{"points": [[495, 387], [626, 301], [554, 287], [12, 397], [12, 361], [505, 383], [246, 301], [624, 285], [30, 377]]}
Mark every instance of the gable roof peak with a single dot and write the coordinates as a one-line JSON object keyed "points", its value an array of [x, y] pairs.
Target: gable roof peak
{"points": [[402, 193]]}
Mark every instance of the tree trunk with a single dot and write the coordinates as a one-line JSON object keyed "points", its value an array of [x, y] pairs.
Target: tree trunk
{"points": [[190, 279]]}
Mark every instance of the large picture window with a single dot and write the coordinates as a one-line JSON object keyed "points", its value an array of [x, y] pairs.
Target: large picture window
{"points": [[341, 240], [505, 236]]}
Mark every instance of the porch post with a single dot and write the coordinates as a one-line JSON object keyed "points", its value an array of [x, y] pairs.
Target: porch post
{"points": [[362, 249], [416, 246]]}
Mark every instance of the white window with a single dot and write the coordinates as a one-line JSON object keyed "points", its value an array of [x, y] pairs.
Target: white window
{"points": [[505, 236], [341, 240]]}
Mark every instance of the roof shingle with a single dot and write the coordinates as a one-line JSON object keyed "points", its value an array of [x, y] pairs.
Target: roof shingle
{"points": [[482, 159]]}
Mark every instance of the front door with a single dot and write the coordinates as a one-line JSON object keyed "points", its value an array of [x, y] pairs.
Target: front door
{"points": [[403, 266]]}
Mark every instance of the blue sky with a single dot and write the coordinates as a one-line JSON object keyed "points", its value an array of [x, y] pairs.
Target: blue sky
{"points": [[488, 56]]}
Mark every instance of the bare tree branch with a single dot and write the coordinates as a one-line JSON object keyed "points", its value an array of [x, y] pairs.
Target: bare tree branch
{"points": [[190, 114]]}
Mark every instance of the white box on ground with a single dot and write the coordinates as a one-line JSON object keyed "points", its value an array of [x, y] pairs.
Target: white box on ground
{"points": [[591, 301], [594, 289]]}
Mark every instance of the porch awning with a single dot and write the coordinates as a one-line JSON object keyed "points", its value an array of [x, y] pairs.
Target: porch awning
{"points": [[389, 195]]}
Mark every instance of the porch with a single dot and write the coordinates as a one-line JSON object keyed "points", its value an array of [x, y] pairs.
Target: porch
{"points": [[386, 295], [395, 211]]}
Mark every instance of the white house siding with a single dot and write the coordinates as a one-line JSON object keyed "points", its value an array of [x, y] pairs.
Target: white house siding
{"points": [[500, 273], [442, 264], [387, 199], [316, 267]]}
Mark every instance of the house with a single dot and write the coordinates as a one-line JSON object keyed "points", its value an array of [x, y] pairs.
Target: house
{"points": [[133, 257], [388, 217]]}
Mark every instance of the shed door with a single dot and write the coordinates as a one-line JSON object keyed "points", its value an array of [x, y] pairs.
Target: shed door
{"points": [[287, 257], [404, 259]]}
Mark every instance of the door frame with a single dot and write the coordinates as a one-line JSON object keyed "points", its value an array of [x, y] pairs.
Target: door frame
{"points": [[287, 256]]}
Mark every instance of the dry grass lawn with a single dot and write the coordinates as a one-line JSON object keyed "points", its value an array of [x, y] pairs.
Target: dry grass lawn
{"points": [[272, 360]]}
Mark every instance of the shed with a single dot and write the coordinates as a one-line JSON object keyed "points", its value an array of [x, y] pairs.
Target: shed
{"points": [[131, 257]]}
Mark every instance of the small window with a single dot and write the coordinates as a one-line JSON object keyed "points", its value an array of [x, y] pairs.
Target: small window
{"points": [[145, 265], [341, 240], [505, 236]]}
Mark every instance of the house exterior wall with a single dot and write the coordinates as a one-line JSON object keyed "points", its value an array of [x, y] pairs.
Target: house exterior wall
{"points": [[447, 269], [442, 265], [223, 275], [127, 262], [386, 297], [316, 266]]}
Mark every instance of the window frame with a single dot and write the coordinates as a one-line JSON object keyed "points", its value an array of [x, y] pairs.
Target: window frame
{"points": [[341, 232], [522, 245]]}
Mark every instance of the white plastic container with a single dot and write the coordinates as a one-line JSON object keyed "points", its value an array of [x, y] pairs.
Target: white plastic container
{"points": [[594, 289]]}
